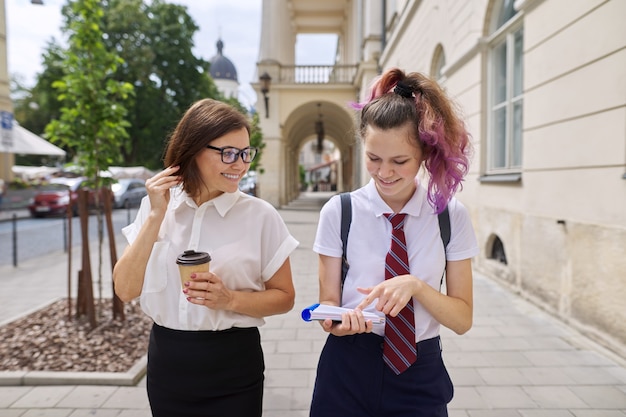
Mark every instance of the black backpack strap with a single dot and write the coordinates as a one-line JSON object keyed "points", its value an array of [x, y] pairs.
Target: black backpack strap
{"points": [[346, 219], [444, 226], [444, 230]]}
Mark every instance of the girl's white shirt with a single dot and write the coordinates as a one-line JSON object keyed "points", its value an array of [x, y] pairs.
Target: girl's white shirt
{"points": [[369, 241], [246, 238]]}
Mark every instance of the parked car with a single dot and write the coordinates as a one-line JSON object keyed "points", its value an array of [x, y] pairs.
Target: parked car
{"points": [[128, 192], [247, 184], [54, 197]]}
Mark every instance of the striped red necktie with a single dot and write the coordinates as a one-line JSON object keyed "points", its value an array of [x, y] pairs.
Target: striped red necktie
{"points": [[399, 348]]}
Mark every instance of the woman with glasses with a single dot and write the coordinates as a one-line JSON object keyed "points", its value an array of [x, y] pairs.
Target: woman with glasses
{"points": [[205, 356]]}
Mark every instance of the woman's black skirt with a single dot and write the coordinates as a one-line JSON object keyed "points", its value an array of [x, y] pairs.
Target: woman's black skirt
{"points": [[205, 373]]}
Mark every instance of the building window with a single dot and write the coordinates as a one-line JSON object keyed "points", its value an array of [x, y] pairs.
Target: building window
{"points": [[504, 150]]}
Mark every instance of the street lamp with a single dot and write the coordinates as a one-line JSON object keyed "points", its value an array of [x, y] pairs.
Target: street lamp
{"points": [[319, 130], [266, 80], [36, 1]]}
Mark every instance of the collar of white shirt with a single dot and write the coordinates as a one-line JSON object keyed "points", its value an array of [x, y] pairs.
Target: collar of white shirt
{"points": [[223, 203], [413, 207]]}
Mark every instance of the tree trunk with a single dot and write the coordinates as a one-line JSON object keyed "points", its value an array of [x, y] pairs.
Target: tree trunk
{"points": [[85, 303], [118, 305], [70, 215]]}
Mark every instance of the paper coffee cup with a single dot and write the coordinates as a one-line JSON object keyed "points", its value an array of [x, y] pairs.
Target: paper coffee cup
{"points": [[191, 261]]}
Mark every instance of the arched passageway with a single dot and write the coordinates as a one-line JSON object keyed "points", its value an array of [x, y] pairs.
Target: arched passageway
{"points": [[307, 124]]}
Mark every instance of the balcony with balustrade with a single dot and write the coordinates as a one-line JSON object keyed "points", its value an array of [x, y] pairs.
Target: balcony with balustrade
{"points": [[316, 74]]}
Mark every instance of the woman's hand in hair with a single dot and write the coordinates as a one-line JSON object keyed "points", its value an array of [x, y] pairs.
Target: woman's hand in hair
{"points": [[158, 188]]}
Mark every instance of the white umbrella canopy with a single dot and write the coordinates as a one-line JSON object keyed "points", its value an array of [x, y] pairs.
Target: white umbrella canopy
{"points": [[27, 143]]}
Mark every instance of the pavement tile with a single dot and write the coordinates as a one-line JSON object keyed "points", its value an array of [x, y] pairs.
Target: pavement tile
{"points": [[546, 376], [592, 375], [548, 343], [465, 359], [599, 413], [482, 331], [12, 413], [290, 413], [135, 413], [278, 334], [49, 412], [467, 398], [546, 413], [506, 397], [314, 333], [524, 330], [567, 358], [86, 397], [277, 398], [465, 377], [269, 346], [287, 378], [495, 344], [555, 397], [9, 395], [277, 360], [42, 397], [301, 398], [618, 372], [507, 359], [503, 376], [606, 397], [304, 360], [134, 398], [493, 413], [94, 413], [294, 346]]}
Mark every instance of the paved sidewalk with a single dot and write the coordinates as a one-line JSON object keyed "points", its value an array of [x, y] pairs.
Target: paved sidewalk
{"points": [[515, 362]]}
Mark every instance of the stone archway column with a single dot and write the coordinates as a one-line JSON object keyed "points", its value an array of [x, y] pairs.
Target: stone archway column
{"points": [[273, 171]]}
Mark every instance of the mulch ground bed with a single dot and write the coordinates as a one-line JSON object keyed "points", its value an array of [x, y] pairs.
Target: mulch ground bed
{"points": [[47, 340]]}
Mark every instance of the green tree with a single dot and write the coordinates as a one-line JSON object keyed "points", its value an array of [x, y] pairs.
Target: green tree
{"points": [[92, 121], [156, 42], [92, 118]]}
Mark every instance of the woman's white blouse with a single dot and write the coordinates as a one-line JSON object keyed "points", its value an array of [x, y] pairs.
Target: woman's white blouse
{"points": [[248, 242], [370, 238]]}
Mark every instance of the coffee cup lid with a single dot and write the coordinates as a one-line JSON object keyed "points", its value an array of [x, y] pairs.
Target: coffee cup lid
{"points": [[191, 257]]}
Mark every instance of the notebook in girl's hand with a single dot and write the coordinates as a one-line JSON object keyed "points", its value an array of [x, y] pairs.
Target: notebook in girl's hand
{"points": [[323, 312]]}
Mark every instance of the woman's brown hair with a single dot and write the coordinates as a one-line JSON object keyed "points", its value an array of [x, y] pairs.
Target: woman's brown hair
{"points": [[205, 121]]}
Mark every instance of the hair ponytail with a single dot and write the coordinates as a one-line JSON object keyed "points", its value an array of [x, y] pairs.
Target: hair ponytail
{"points": [[396, 99]]}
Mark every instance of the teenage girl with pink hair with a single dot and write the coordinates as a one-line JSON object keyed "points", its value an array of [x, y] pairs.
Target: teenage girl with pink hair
{"points": [[407, 124]]}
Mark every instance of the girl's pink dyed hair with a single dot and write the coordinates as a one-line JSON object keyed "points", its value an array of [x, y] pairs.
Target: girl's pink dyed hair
{"points": [[439, 131]]}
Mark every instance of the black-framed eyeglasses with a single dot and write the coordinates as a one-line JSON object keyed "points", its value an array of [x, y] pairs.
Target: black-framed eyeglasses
{"points": [[230, 154]]}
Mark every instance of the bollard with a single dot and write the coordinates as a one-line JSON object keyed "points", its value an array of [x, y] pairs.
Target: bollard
{"points": [[14, 223], [65, 234]]}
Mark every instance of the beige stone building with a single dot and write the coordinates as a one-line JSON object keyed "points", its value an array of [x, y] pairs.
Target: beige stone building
{"points": [[6, 105], [542, 85]]}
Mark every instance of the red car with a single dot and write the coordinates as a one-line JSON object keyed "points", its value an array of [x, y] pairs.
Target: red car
{"points": [[54, 198]]}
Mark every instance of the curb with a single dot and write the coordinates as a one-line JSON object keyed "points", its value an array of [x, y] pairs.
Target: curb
{"points": [[30, 378]]}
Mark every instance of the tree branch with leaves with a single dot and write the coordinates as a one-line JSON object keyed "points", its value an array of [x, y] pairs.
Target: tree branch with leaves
{"points": [[92, 121]]}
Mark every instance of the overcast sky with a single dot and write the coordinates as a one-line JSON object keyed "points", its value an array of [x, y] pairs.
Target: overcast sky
{"points": [[237, 22]]}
